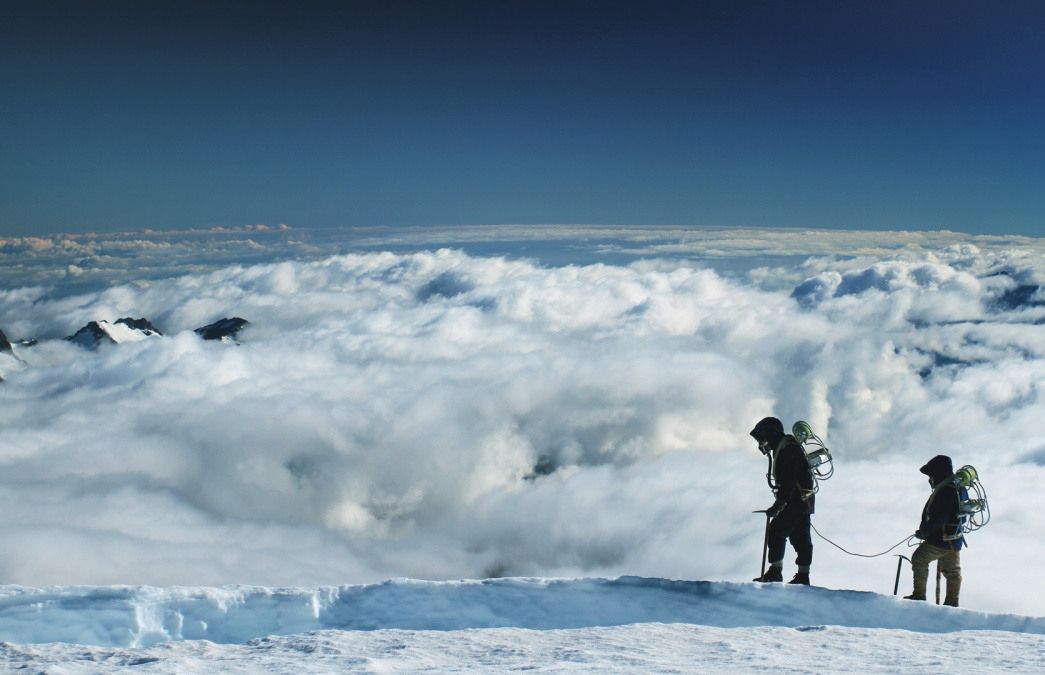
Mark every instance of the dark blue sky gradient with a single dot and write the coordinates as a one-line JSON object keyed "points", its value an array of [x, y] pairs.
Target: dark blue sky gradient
{"points": [[881, 115]]}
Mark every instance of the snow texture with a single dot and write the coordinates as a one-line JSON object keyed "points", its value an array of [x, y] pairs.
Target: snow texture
{"points": [[503, 624]]}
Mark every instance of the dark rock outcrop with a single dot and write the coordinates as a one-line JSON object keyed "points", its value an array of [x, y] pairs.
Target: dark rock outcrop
{"points": [[222, 329], [90, 335]]}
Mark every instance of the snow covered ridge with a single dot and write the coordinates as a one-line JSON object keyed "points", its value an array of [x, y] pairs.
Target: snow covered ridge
{"points": [[127, 329], [128, 616], [136, 330], [123, 330]]}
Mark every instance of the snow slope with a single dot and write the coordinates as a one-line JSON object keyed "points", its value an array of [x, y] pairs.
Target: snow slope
{"points": [[625, 624]]}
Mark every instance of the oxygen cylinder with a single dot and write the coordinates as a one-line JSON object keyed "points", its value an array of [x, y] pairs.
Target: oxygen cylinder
{"points": [[821, 466], [966, 476]]}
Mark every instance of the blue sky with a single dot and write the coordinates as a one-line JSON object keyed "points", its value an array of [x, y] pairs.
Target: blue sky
{"points": [[884, 115]]}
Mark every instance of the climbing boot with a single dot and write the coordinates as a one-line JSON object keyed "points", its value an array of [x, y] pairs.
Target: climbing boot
{"points": [[773, 574], [801, 578], [914, 596]]}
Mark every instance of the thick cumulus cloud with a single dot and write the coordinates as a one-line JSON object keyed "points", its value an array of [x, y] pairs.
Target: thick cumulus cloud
{"points": [[441, 415]]}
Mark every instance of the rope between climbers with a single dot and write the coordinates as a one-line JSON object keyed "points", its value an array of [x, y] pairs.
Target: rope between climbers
{"points": [[905, 540]]}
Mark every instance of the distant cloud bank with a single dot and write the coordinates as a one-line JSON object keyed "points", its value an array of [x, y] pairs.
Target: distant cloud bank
{"points": [[73, 263]]}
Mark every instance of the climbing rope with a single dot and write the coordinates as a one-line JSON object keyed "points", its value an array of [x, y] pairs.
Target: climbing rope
{"points": [[905, 540]]}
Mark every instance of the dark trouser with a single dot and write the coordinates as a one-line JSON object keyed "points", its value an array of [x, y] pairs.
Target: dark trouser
{"points": [[793, 524], [950, 566]]}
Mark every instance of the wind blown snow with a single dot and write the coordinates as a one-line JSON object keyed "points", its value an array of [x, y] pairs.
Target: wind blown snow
{"points": [[442, 415]]}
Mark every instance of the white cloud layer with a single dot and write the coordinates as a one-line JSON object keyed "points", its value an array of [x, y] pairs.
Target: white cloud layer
{"points": [[64, 264], [443, 415]]}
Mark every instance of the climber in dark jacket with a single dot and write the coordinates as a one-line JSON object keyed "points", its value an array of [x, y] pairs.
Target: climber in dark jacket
{"points": [[939, 531], [790, 513]]}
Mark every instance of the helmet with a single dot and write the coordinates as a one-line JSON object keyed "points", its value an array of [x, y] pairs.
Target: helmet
{"points": [[768, 433], [801, 431]]}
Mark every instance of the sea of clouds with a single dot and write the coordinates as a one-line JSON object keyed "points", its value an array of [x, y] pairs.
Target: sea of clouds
{"points": [[459, 412]]}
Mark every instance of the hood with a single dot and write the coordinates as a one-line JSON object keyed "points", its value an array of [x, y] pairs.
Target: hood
{"points": [[938, 468]]}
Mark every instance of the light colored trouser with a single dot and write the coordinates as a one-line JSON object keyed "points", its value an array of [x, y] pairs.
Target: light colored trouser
{"points": [[950, 566]]}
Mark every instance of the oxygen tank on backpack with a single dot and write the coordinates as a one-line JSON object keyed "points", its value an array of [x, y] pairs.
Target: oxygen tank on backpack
{"points": [[818, 456], [973, 510]]}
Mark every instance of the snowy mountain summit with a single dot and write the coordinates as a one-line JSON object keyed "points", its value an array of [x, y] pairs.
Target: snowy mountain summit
{"points": [[123, 330], [100, 332]]}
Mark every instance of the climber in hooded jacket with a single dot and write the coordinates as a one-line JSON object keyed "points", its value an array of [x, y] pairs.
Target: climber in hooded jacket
{"points": [[790, 513], [939, 531]]}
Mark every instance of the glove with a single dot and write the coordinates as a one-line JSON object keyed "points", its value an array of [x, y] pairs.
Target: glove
{"points": [[921, 534], [774, 510]]}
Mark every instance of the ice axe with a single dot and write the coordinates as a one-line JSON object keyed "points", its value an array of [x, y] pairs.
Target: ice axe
{"points": [[899, 564], [765, 542]]}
